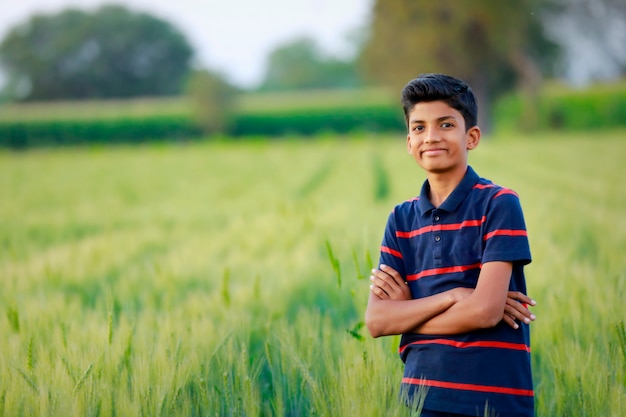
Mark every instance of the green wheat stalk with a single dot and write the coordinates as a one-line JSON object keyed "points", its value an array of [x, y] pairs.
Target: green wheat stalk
{"points": [[110, 327], [225, 289], [68, 369], [30, 361], [29, 381], [63, 334], [381, 180], [355, 259], [14, 318], [621, 335], [3, 396], [83, 378], [334, 262], [126, 356], [355, 331]]}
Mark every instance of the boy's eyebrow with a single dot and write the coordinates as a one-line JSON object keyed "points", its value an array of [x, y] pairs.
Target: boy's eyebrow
{"points": [[439, 119]]}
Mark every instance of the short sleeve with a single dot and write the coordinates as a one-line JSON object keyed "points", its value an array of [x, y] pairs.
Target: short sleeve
{"points": [[390, 253], [505, 237]]}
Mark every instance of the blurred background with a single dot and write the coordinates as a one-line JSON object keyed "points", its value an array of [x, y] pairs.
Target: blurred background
{"points": [[74, 71], [221, 268]]}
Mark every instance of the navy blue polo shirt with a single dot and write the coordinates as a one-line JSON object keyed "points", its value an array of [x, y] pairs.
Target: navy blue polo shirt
{"points": [[437, 249]]}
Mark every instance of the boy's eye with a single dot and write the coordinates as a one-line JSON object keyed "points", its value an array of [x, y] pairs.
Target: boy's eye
{"points": [[447, 124], [418, 127]]}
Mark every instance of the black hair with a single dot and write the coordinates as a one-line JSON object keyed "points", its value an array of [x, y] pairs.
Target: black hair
{"points": [[435, 87]]}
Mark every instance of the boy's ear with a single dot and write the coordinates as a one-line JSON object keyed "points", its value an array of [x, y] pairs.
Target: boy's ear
{"points": [[408, 143], [473, 137]]}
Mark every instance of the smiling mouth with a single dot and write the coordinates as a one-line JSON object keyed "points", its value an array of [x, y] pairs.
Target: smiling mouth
{"points": [[433, 152]]}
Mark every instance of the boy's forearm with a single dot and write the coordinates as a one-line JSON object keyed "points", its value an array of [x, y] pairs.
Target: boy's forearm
{"points": [[484, 308], [392, 317], [472, 315], [462, 317]]}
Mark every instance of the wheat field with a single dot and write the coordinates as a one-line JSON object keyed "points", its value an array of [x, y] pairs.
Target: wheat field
{"points": [[230, 278]]}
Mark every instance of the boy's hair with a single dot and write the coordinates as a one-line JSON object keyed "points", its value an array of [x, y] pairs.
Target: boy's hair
{"points": [[435, 87]]}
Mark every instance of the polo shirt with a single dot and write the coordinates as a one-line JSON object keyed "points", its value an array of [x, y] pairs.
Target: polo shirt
{"points": [[437, 249]]}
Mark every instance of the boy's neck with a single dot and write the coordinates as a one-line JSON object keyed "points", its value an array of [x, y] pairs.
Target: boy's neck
{"points": [[442, 185]]}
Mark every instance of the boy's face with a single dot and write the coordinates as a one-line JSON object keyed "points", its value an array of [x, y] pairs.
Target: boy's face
{"points": [[437, 138]]}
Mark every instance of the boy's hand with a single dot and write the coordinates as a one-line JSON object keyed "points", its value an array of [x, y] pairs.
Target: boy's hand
{"points": [[516, 308], [388, 284]]}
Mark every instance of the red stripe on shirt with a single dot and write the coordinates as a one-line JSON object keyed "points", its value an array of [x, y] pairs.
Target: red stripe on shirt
{"points": [[505, 232], [468, 387], [463, 345], [438, 271], [466, 223], [451, 226], [413, 233], [390, 251], [505, 191], [483, 186]]}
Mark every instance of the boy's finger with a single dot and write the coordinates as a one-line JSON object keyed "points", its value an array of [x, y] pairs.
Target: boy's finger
{"points": [[392, 273], [379, 292], [523, 298], [517, 311], [510, 321], [384, 281]]}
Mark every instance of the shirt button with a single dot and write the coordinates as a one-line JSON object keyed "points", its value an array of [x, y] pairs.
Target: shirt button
{"points": [[437, 238], [436, 218]]}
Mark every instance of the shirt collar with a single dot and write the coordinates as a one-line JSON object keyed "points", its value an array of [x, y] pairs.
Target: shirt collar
{"points": [[455, 199]]}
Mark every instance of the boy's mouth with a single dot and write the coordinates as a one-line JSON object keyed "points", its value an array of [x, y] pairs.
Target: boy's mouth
{"points": [[433, 152]]}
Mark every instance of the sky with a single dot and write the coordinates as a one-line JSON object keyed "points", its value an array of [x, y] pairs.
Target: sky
{"points": [[230, 36]]}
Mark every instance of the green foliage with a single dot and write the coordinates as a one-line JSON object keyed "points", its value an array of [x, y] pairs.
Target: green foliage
{"points": [[621, 333], [556, 107], [305, 113], [381, 180], [490, 44], [303, 121], [135, 130], [212, 100], [300, 65], [111, 52], [334, 262], [322, 111], [13, 317], [21, 135], [119, 259]]}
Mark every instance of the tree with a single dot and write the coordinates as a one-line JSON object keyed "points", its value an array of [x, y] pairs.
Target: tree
{"points": [[592, 34], [491, 44], [112, 52], [299, 64], [212, 99]]}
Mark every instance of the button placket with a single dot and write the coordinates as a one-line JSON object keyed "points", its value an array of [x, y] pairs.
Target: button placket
{"points": [[437, 246]]}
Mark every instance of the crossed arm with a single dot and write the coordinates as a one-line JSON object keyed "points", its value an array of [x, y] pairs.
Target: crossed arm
{"points": [[391, 310]]}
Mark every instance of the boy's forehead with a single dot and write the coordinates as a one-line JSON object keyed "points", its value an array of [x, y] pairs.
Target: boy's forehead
{"points": [[425, 110]]}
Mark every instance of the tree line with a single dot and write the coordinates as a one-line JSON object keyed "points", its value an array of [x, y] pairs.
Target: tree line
{"points": [[114, 52]]}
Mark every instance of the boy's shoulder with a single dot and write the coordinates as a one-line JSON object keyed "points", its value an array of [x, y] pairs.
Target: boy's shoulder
{"points": [[409, 205], [488, 189]]}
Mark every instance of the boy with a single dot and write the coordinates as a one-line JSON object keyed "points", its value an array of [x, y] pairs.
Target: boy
{"points": [[451, 277]]}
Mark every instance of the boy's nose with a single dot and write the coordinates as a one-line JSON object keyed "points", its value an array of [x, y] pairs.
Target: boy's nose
{"points": [[431, 136]]}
